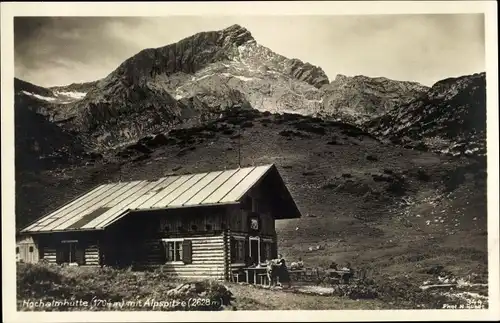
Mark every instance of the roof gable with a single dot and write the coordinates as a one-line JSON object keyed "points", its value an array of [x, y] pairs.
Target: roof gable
{"points": [[107, 203]]}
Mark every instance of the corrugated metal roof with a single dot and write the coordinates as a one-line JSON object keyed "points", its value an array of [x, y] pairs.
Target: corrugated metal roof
{"points": [[106, 203]]}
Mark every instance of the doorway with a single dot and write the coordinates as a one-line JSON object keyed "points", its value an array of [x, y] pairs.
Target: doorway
{"points": [[69, 252], [254, 252]]}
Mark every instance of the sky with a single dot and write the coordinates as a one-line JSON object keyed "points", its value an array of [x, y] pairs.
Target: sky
{"points": [[52, 51]]}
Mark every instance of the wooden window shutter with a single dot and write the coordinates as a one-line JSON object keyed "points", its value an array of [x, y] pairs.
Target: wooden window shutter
{"points": [[246, 245], [187, 251], [263, 246], [233, 249], [163, 250]]}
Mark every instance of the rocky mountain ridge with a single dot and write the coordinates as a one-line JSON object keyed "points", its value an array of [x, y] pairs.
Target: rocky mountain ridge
{"points": [[450, 118], [202, 69], [192, 81], [361, 98]]}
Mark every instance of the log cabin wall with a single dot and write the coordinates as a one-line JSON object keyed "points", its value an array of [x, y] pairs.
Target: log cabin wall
{"points": [[186, 242], [62, 247], [207, 259], [27, 249]]}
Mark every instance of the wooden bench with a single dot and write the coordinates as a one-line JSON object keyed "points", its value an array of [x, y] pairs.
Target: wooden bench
{"points": [[235, 276], [263, 279], [339, 276]]}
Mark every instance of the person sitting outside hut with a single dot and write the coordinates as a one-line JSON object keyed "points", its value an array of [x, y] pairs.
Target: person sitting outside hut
{"points": [[349, 273], [297, 265]]}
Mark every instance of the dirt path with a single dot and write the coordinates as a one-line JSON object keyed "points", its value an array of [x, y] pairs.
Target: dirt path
{"points": [[253, 298]]}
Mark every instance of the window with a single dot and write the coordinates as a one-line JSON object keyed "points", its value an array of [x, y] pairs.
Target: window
{"points": [[237, 249], [174, 251], [17, 249], [31, 248], [178, 250]]}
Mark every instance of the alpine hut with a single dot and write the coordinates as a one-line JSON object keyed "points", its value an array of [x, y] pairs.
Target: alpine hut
{"points": [[200, 225]]}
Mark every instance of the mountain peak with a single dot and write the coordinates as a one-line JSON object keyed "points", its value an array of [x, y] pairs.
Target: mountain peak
{"points": [[187, 55], [340, 77], [237, 34], [235, 27]]}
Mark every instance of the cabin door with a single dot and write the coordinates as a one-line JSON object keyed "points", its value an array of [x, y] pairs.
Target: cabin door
{"points": [[70, 252], [254, 252], [67, 253]]}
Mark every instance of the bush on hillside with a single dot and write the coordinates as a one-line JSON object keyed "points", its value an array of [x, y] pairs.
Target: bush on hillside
{"points": [[454, 178], [422, 175], [360, 290], [246, 124], [311, 128], [228, 131], [292, 133], [333, 142], [397, 187]]}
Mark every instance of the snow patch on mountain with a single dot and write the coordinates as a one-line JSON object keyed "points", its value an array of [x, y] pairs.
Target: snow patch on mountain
{"points": [[40, 97], [240, 77], [73, 94]]}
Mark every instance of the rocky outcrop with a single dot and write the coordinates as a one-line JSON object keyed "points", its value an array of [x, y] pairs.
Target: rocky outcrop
{"points": [[360, 98], [450, 118]]}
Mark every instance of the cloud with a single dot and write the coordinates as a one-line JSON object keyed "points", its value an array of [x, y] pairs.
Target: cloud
{"points": [[424, 48]]}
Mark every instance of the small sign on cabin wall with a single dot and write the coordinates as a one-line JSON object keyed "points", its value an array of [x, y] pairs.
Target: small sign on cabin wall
{"points": [[254, 224]]}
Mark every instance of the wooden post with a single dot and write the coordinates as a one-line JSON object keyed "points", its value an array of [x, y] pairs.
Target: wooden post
{"points": [[227, 251]]}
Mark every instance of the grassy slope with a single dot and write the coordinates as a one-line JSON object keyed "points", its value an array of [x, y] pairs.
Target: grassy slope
{"points": [[354, 215]]}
